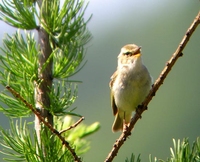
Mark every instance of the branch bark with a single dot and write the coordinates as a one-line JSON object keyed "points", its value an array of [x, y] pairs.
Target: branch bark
{"points": [[44, 83], [120, 141], [72, 126], [43, 86]]}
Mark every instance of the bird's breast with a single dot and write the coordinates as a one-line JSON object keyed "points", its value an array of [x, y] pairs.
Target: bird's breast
{"points": [[130, 88]]}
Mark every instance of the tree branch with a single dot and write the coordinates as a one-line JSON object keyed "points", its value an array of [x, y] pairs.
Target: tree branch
{"points": [[119, 142], [72, 126], [43, 84], [46, 123]]}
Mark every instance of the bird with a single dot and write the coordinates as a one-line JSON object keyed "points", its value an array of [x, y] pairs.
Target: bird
{"points": [[129, 85]]}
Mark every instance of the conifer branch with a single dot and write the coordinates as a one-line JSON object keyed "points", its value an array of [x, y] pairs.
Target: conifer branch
{"points": [[53, 130]]}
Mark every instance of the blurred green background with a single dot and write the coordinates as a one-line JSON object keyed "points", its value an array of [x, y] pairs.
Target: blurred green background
{"points": [[157, 26]]}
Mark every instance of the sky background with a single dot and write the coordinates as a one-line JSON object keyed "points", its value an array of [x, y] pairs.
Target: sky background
{"points": [[157, 26]]}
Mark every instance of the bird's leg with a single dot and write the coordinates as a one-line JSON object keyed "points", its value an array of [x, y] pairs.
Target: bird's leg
{"points": [[125, 127], [124, 124]]}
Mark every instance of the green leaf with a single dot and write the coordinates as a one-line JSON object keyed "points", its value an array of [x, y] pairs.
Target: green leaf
{"points": [[18, 13], [68, 34], [182, 152], [19, 69], [62, 96], [20, 55], [133, 158], [76, 135], [21, 144]]}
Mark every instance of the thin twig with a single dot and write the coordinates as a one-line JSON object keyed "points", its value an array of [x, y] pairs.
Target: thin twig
{"points": [[17, 95], [72, 126], [119, 142]]}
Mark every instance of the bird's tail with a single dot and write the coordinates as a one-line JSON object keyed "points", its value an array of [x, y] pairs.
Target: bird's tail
{"points": [[118, 123]]}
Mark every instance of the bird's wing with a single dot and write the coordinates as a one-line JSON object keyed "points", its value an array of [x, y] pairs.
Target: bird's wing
{"points": [[113, 77], [113, 105]]}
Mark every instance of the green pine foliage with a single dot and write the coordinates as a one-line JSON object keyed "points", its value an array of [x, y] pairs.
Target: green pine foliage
{"points": [[20, 142], [133, 158], [68, 36], [181, 152]]}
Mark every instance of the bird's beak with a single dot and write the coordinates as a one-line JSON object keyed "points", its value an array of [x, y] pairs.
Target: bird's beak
{"points": [[137, 51]]}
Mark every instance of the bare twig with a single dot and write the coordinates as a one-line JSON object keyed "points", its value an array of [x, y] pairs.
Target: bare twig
{"points": [[17, 95], [72, 126], [119, 142]]}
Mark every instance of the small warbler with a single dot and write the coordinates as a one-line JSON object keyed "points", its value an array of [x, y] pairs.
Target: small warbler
{"points": [[129, 85]]}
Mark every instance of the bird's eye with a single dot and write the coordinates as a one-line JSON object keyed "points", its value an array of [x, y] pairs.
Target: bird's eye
{"points": [[127, 53]]}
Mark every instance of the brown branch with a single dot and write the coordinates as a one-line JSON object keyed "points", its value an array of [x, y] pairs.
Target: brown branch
{"points": [[44, 80], [119, 142], [64, 142], [72, 126]]}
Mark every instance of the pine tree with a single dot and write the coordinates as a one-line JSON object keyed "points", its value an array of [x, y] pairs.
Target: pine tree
{"points": [[37, 73]]}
